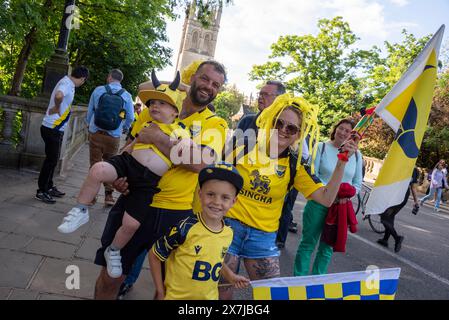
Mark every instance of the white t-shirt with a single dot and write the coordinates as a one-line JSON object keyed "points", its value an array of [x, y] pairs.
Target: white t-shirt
{"points": [[56, 121]]}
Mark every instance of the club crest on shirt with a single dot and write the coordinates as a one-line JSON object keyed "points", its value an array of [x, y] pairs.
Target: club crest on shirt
{"points": [[195, 130], [280, 170], [197, 249], [259, 183], [173, 231], [224, 250]]}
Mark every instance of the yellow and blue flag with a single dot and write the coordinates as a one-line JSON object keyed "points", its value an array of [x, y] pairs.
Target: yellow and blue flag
{"points": [[377, 284], [406, 110]]}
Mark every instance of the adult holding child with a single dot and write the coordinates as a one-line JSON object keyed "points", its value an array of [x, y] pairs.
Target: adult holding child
{"points": [[267, 177], [174, 201]]}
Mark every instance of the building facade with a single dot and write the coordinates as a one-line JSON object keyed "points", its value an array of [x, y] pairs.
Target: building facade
{"points": [[198, 42]]}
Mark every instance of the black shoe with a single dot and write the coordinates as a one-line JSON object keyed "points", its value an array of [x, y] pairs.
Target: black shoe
{"points": [[293, 227], [44, 197], [398, 244], [415, 209], [124, 289], [56, 193], [280, 245], [383, 242]]}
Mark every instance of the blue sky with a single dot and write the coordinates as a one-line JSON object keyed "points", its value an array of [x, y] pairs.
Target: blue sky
{"points": [[249, 27]]}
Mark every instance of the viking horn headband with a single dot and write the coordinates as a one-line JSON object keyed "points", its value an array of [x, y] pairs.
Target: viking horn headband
{"points": [[175, 84], [154, 80]]}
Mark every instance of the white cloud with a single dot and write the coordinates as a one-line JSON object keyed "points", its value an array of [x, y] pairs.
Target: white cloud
{"points": [[400, 3]]}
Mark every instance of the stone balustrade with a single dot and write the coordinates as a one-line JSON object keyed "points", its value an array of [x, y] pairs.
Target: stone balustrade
{"points": [[25, 149]]}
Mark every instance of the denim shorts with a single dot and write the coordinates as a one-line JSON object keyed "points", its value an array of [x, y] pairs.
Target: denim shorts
{"points": [[251, 243]]}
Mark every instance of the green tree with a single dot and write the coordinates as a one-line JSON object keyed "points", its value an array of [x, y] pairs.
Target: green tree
{"points": [[324, 69], [126, 34], [27, 30], [228, 102], [387, 71], [435, 145], [380, 80]]}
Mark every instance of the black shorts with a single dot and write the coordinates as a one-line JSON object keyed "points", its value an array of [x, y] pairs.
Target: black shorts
{"points": [[156, 223], [142, 184]]}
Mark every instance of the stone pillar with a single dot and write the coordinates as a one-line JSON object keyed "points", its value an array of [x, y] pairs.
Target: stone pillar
{"points": [[8, 119], [58, 64]]}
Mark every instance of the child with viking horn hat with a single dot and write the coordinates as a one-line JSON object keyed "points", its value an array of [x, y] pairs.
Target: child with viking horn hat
{"points": [[143, 166], [267, 174]]}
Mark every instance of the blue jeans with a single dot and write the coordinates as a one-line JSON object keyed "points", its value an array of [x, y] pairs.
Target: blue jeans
{"points": [[131, 278], [430, 196], [251, 243]]}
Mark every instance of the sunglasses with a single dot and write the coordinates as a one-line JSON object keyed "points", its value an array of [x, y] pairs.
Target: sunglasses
{"points": [[290, 128]]}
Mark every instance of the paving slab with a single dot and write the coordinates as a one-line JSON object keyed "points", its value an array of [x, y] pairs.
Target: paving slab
{"points": [[54, 249], [4, 292], [49, 296], [52, 278], [8, 225], [21, 294], [88, 249], [18, 268], [96, 230], [44, 226], [3, 234], [15, 241], [61, 207], [143, 289], [17, 212]]}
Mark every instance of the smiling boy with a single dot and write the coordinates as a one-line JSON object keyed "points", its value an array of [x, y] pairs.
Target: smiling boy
{"points": [[195, 248]]}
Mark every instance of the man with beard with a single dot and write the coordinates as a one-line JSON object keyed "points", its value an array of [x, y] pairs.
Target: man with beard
{"points": [[174, 202]]}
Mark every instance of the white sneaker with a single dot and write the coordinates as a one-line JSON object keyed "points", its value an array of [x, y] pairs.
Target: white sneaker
{"points": [[74, 219], [437, 209], [113, 262]]}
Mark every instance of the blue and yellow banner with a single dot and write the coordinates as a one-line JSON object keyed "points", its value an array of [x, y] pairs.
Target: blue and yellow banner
{"points": [[406, 109], [377, 284]]}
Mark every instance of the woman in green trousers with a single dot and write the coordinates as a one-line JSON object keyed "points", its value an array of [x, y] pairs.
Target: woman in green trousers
{"points": [[314, 213]]}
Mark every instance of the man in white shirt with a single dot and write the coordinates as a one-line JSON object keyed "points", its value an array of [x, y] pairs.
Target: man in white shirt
{"points": [[52, 130]]}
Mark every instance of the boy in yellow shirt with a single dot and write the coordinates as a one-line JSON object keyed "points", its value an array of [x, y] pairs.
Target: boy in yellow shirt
{"points": [[195, 248]]}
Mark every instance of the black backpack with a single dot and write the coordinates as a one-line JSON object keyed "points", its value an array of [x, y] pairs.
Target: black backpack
{"points": [[107, 113]]}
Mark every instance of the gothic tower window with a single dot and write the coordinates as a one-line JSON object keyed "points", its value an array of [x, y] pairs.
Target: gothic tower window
{"points": [[195, 41], [207, 44]]}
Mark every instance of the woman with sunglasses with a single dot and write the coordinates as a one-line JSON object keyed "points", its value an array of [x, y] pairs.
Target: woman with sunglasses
{"points": [[315, 212], [266, 172]]}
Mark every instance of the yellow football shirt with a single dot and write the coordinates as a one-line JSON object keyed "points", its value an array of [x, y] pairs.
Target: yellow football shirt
{"points": [[139, 122], [178, 184], [194, 256], [175, 130], [259, 203]]}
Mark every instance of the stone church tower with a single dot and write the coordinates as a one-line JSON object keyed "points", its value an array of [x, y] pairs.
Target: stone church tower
{"points": [[198, 42]]}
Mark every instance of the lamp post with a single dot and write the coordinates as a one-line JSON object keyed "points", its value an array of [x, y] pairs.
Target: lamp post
{"points": [[58, 64]]}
